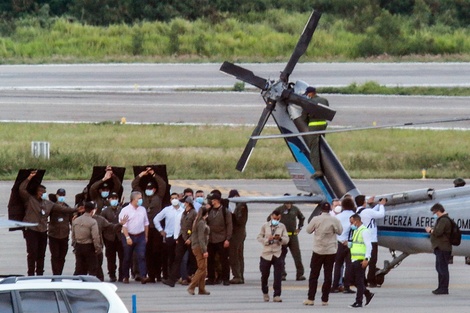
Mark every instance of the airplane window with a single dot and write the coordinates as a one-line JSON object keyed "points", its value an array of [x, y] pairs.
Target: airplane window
{"points": [[6, 306]]}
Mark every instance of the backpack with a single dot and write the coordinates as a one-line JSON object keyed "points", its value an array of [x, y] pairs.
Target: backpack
{"points": [[455, 234]]}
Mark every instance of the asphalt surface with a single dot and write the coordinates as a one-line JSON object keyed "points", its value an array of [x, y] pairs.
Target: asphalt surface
{"points": [[170, 76], [145, 93], [406, 289], [217, 108]]}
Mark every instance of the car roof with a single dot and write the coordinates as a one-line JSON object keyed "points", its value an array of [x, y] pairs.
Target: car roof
{"points": [[54, 282]]}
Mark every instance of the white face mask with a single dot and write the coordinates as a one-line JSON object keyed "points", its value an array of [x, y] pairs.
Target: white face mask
{"points": [[175, 202], [149, 192]]}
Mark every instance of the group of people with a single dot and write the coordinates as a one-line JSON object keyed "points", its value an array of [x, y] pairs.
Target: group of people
{"points": [[197, 237], [143, 238], [345, 241], [344, 245]]}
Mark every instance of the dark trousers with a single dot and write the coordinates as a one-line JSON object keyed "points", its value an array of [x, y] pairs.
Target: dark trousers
{"points": [[223, 253], [99, 270], [113, 248], [294, 247], [138, 246], [265, 269], [180, 250], [236, 256], [170, 247], [358, 277], [343, 257], [442, 268], [188, 264], [373, 264], [86, 261], [316, 263], [313, 142], [156, 255], [58, 248], [36, 243]]}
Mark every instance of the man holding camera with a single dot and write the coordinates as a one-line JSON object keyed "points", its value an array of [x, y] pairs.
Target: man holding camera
{"points": [[273, 236], [369, 216]]}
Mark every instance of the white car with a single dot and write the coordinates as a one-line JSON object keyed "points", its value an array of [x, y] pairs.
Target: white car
{"points": [[59, 294]]}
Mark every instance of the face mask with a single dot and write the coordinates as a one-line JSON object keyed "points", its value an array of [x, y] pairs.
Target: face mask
{"points": [[139, 202], [200, 200], [353, 227], [114, 202], [175, 202], [44, 196], [274, 222], [149, 192], [435, 216], [61, 199], [104, 194]]}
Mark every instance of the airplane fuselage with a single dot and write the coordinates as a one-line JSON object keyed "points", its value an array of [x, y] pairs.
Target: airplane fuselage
{"points": [[408, 213]]}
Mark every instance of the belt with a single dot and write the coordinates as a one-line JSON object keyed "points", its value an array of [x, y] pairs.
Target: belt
{"points": [[290, 233], [139, 234], [317, 123]]}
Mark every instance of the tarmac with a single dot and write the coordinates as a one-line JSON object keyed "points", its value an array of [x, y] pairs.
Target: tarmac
{"points": [[407, 288]]}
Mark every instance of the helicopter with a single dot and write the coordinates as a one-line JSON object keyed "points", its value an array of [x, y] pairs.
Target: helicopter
{"points": [[407, 213]]}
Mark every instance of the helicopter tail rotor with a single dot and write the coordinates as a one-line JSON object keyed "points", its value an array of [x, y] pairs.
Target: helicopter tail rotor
{"points": [[250, 146], [302, 45], [311, 106], [243, 74]]}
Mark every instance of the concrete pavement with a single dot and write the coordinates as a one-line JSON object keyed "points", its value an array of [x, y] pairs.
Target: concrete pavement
{"points": [[406, 289]]}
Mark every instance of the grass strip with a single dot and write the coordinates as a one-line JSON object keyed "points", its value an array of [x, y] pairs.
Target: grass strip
{"points": [[211, 152]]}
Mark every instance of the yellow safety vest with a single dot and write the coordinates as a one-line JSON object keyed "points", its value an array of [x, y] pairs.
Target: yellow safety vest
{"points": [[358, 248]]}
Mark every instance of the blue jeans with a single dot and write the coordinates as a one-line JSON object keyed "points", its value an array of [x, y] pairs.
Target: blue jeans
{"points": [[442, 268], [265, 268], [138, 246]]}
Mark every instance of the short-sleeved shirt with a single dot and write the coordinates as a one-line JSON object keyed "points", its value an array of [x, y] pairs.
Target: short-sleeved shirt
{"points": [[137, 219]]}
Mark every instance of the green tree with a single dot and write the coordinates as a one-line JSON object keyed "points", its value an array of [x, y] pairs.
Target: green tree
{"points": [[421, 14]]}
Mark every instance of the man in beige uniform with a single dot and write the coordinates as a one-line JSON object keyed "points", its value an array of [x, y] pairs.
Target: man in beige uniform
{"points": [[273, 235], [86, 241]]}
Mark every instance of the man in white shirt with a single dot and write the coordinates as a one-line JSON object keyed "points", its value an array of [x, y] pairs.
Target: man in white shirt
{"points": [[172, 216], [369, 216], [343, 255]]}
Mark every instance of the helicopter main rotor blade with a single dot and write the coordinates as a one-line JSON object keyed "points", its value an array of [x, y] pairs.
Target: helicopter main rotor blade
{"points": [[250, 146], [302, 45], [311, 106], [243, 74], [321, 132]]}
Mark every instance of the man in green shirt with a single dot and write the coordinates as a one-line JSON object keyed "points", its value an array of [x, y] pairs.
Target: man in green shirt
{"points": [[290, 214]]}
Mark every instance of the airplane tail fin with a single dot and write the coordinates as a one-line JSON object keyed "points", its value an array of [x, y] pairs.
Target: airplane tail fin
{"points": [[302, 178]]}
